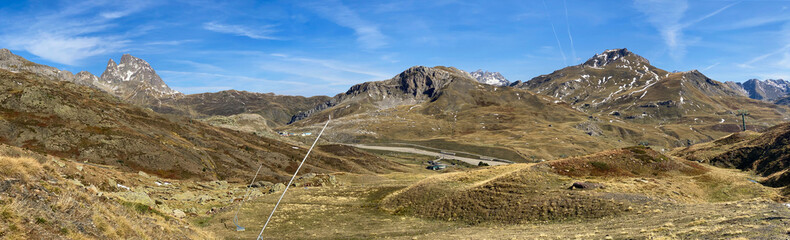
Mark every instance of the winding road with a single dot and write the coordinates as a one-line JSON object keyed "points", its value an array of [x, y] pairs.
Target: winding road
{"points": [[428, 153]]}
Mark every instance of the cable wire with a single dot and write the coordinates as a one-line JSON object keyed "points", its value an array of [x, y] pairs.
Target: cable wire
{"points": [[292, 179], [247, 194]]}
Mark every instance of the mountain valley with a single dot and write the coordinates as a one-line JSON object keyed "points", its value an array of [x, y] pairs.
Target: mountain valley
{"points": [[613, 147]]}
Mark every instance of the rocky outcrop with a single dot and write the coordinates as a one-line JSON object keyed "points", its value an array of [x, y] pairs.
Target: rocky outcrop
{"points": [[610, 56], [15, 63], [415, 85]]}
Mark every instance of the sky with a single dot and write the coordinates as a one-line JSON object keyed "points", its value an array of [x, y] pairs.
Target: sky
{"points": [[324, 47]]}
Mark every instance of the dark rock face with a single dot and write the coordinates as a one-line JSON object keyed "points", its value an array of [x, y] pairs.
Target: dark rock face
{"points": [[415, 85]]}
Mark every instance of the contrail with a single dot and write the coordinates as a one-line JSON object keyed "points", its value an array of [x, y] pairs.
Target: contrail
{"points": [[568, 24], [292, 178], [564, 59]]}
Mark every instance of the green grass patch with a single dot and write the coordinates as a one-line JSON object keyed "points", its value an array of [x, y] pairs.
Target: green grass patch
{"points": [[600, 165], [144, 209]]}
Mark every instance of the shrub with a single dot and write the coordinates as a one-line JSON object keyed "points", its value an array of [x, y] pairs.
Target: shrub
{"points": [[600, 165]]}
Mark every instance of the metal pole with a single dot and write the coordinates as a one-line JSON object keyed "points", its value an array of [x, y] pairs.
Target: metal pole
{"points": [[292, 178]]}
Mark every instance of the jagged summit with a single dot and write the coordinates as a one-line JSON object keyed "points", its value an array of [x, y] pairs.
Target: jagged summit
{"points": [[612, 55], [490, 78], [135, 69]]}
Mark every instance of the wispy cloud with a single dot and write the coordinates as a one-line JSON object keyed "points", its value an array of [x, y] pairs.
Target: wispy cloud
{"points": [[200, 89], [562, 52], [568, 26], [334, 65], [171, 42], [368, 33], [666, 16], [709, 67], [261, 32], [67, 35], [200, 66], [748, 64], [783, 36]]}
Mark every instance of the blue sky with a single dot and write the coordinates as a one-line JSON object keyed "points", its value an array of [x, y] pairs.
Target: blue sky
{"points": [[323, 47]]}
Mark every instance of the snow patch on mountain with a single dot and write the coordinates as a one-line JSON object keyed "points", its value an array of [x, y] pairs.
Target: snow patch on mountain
{"points": [[490, 78]]}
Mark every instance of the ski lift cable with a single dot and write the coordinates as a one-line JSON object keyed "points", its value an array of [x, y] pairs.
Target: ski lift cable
{"points": [[292, 179], [246, 195]]}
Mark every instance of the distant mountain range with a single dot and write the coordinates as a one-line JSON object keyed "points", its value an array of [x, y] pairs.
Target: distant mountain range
{"points": [[490, 78], [768, 90], [611, 94]]}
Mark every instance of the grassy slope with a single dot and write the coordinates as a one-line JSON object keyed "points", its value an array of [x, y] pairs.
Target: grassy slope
{"points": [[43, 200], [527, 193]]}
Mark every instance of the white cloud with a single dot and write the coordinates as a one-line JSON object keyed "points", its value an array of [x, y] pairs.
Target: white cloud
{"points": [[368, 34], [262, 32], [666, 16], [67, 35], [199, 66]]}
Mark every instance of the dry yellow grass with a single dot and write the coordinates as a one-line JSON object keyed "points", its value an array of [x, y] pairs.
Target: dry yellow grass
{"points": [[19, 167], [43, 200]]}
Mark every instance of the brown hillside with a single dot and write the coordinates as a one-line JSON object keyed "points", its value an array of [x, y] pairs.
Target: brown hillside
{"points": [[78, 122]]}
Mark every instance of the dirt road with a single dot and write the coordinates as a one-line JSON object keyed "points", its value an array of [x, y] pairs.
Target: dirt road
{"points": [[424, 152]]}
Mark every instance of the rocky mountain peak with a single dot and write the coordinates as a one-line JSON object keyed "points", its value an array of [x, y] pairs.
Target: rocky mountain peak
{"points": [[612, 55], [490, 78], [111, 64], [769, 89], [138, 72]]}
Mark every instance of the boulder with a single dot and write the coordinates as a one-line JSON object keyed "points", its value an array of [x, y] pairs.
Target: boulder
{"points": [[135, 197], [586, 185], [260, 184], [179, 214], [112, 183], [307, 176], [277, 187]]}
